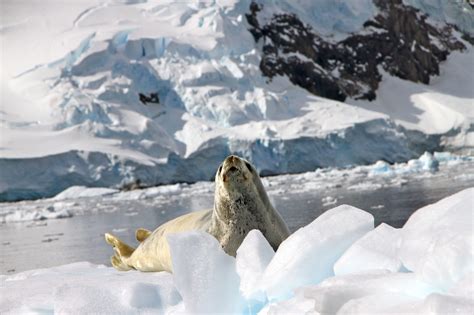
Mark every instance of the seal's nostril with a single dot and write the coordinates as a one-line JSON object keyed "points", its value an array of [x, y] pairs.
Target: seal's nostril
{"points": [[233, 169]]}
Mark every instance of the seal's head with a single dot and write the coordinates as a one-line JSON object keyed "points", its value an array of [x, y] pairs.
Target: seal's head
{"points": [[241, 204], [234, 170], [237, 181]]}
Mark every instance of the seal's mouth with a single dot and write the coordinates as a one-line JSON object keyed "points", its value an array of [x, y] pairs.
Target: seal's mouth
{"points": [[230, 172], [232, 169]]}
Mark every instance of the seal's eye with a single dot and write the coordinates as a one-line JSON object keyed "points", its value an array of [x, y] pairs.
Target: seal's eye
{"points": [[219, 170], [248, 166]]}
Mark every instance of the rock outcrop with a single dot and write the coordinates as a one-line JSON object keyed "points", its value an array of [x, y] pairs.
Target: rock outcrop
{"points": [[398, 40]]}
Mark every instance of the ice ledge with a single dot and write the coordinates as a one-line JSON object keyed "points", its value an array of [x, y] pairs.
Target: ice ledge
{"points": [[361, 144]]}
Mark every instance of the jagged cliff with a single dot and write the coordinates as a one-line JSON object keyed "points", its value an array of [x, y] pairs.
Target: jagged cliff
{"points": [[398, 40]]}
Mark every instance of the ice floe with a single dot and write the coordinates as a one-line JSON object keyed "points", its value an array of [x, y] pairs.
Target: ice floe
{"points": [[425, 267]]}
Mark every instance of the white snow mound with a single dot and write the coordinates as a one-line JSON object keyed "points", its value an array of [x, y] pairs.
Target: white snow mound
{"points": [[253, 256], [308, 255], [438, 240], [371, 252]]}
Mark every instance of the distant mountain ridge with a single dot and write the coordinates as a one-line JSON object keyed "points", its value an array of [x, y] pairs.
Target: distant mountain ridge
{"points": [[398, 39]]}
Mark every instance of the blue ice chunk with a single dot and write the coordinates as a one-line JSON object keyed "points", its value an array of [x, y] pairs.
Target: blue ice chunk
{"points": [[74, 55], [160, 46], [120, 39], [381, 168], [428, 162]]}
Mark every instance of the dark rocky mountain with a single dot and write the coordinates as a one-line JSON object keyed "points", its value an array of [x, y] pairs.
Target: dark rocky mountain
{"points": [[398, 40]]}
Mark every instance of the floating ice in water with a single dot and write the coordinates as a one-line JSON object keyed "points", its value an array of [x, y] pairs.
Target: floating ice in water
{"points": [[429, 163], [381, 167], [425, 163], [82, 191], [328, 200], [58, 210], [378, 249], [365, 186], [204, 274], [437, 240], [308, 255], [253, 256]]}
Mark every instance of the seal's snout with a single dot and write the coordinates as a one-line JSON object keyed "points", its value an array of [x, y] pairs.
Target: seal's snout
{"points": [[232, 169], [232, 163], [232, 159]]}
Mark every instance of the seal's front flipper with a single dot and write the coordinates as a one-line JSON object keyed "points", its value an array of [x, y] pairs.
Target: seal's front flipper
{"points": [[141, 234]]}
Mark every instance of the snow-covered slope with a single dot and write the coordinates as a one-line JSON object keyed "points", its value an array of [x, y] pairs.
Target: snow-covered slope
{"points": [[459, 13], [337, 264], [79, 87], [445, 105]]}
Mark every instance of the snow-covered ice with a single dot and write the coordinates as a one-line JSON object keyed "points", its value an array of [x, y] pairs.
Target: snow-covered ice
{"points": [[57, 210], [81, 191], [82, 288], [370, 252], [308, 255], [253, 257], [436, 277], [438, 240], [204, 274]]}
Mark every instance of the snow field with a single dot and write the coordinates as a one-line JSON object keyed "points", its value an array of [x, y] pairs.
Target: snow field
{"points": [[425, 267]]}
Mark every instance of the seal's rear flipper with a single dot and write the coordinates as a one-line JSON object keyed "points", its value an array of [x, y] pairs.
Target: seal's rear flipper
{"points": [[118, 264], [141, 234], [121, 249]]}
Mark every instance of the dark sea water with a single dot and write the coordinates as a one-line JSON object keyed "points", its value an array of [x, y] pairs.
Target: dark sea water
{"points": [[42, 244]]}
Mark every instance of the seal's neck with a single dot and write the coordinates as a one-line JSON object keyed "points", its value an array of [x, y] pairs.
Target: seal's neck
{"points": [[240, 213]]}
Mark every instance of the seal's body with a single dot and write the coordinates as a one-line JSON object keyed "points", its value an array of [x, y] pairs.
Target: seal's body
{"points": [[240, 205]]}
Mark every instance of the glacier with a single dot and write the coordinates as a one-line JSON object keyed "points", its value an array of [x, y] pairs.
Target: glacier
{"points": [[208, 280], [71, 114]]}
